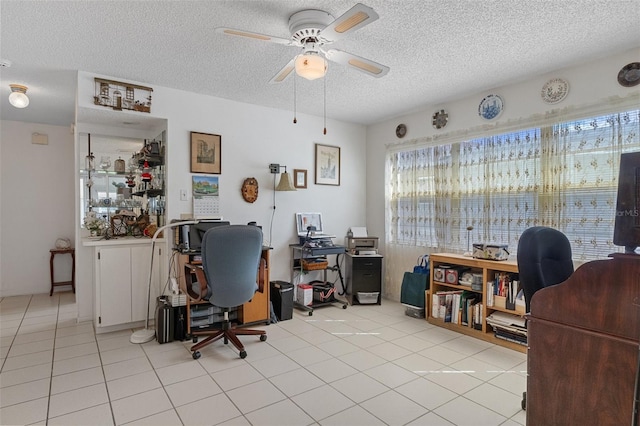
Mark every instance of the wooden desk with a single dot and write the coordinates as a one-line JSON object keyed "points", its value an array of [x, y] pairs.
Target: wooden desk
{"points": [[255, 311], [583, 346]]}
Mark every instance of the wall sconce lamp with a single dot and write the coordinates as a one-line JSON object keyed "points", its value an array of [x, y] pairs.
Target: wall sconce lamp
{"points": [[18, 97], [285, 184]]}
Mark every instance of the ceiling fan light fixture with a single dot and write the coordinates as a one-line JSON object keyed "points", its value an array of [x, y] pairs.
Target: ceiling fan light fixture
{"points": [[311, 66], [18, 97]]}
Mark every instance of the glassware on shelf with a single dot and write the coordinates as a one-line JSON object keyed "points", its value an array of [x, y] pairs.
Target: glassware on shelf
{"points": [[105, 162]]}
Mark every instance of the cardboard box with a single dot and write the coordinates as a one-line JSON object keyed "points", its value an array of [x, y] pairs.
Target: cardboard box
{"points": [[304, 294]]}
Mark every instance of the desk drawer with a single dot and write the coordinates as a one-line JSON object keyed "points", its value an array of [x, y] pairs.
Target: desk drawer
{"points": [[367, 263]]}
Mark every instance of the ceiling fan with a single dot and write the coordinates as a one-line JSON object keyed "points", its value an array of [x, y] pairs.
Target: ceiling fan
{"points": [[313, 29]]}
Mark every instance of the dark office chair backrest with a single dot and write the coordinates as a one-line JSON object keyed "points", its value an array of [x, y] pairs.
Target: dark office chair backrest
{"points": [[230, 259], [544, 259]]}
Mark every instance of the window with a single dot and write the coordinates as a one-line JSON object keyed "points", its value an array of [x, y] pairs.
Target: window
{"points": [[563, 176]]}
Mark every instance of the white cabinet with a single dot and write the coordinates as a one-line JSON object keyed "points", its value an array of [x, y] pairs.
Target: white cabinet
{"points": [[122, 279]]}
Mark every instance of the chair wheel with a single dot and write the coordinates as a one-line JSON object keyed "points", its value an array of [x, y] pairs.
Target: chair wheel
{"points": [[194, 339], [243, 354], [196, 355], [310, 313], [523, 404], [263, 337], [226, 341], [344, 306]]}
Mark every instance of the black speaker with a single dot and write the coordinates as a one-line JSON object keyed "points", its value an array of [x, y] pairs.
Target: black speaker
{"points": [[180, 323]]}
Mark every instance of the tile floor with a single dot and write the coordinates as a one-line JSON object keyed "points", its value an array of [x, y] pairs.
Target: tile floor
{"points": [[366, 365]]}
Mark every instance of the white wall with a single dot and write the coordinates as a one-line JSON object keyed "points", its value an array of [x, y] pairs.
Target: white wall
{"points": [[590, 85], [37, 190], [252, 138]]}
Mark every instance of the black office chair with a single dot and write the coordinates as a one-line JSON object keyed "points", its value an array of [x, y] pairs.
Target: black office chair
{"points": [[544, 259], [228, 278]]}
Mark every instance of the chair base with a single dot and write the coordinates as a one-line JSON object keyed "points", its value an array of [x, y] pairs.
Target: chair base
{"points": [[230, 334]]}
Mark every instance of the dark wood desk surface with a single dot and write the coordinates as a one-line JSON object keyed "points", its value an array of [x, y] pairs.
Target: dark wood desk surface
{"points": [[583, 346]]}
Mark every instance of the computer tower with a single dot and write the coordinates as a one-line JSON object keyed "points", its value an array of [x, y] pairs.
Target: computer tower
{"points": [[180, 323], [282, 299]]}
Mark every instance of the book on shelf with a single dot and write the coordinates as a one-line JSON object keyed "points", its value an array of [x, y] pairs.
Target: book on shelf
{"points": [[511, 337]]}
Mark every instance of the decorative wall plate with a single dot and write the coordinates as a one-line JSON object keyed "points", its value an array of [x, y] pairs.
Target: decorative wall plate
{"points": [[401, 130], [440, 119], [490, 107], [554, 90], [250, 190], [629, 75]]}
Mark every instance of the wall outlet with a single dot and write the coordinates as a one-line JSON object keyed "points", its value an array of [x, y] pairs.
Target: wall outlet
{"points": [[184, 195]]}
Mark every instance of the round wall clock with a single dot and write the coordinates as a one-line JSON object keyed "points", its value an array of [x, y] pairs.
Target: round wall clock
{"points": [[250, 190], [554, 90], [490, 107], [401, 130], [440, 119], [629, 75]]}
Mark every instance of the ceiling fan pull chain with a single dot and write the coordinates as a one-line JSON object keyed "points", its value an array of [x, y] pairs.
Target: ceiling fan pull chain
{"points": [[295, 120], [325, 105]]}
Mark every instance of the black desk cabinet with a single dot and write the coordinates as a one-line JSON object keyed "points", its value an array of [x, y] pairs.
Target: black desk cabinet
{"points": [[364, 279]]}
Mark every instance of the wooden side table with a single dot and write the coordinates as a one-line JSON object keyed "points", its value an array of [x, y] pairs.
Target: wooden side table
{"points": [[72, 282]]}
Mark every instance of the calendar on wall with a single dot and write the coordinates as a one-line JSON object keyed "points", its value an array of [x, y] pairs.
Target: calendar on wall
{"points": [[206, 199]]}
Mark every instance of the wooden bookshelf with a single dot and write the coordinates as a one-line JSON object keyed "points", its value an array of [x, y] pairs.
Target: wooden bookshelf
{"points": [[488, 269]]}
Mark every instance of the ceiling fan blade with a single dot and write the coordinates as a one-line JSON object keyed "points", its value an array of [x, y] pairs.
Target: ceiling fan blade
{"points": [[285, 72], [359, 63], [255, 36], [356, 17]]}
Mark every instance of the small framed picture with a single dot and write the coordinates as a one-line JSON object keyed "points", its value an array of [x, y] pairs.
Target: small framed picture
{"points": [[327, 165], [206, 155], [299, 178]]}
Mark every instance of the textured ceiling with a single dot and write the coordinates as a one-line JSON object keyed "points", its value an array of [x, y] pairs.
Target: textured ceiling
{"points": [[438, 51]]}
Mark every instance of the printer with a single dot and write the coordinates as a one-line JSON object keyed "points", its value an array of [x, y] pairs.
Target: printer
{"points": [[362, 245]]}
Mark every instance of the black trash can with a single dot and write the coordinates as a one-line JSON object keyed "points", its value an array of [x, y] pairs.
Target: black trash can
{"points": [[282, 299]]}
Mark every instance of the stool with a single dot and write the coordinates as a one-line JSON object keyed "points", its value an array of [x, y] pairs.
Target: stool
{"points": [[72, 283]]}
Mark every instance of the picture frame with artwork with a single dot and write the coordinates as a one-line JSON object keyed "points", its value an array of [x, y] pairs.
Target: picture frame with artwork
{"points": [[327, 164], [206, 155], [300, 178]]}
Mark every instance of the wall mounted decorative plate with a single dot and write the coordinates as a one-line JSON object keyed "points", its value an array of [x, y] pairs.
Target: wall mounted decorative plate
{"points": [[401, 130], [249, 190], [554, 90], [490, 107], [629, 75], [440, 119]]}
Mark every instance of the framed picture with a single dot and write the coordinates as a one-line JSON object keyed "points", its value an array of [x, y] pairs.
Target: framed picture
{"points": [[206, 153], [299, 178], [327, 165]]}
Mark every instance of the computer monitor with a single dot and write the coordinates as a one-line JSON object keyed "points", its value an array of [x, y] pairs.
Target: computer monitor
{"points": [[190, 236], [304, 220], [626, 231]]}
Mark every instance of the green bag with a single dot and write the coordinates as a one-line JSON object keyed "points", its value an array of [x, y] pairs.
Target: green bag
{"points": [[413, 288]]}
